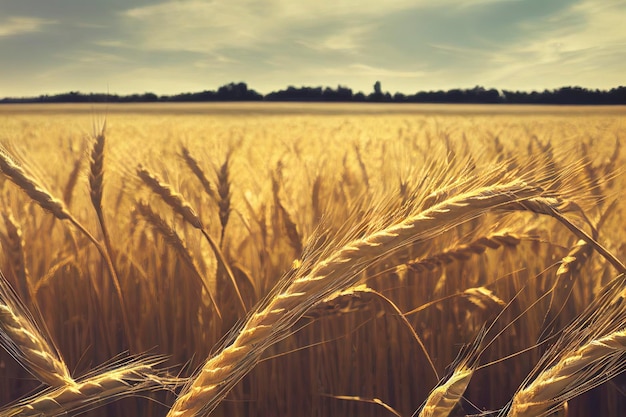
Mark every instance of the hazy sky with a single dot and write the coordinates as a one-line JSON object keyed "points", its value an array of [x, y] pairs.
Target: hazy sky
{"points": [[167, 47]]}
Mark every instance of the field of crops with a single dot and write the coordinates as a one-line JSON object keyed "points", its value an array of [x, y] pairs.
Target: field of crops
{"points": [[322, 260]]}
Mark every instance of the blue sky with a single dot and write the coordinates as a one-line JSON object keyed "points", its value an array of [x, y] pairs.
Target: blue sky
{"points": [[168, 47]]}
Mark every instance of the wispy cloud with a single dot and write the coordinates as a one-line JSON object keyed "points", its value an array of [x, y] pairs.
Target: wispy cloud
{"points": [[17, 25], [368, 70], [351, 40], [586, 39], [198, 25]]}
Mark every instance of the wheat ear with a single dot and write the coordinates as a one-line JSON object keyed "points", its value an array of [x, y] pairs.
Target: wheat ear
{"points": [[174, 240], [15, 249], [590, 365], [119, 380], [464, 252], [173, 199], [223, 191], [178, 203], [318, 279], [563, 286], [96, 192], [34, 190], [442, 400], [550, 207], [21, 337], [68, 191], [194, 166], [590, 351], [45, 199]]}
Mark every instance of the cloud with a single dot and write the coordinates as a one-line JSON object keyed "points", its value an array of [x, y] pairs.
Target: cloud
{"points": [[349, 40], [200, 26], [370, 71], [572, 47], [17, 25]]}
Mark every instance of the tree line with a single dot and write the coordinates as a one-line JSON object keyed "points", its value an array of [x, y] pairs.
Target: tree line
{"points": [[241, 92]]}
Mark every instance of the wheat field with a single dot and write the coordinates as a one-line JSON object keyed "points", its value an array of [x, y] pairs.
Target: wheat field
{"points": [[323, 260]]}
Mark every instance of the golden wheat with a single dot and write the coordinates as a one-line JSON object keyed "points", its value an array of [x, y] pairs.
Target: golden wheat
{"points": [[311, 179], [325, 276], [119, 380], [20, 336]]}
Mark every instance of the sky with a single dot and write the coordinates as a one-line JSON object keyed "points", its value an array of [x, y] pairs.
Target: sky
{"points": [[176, 46]]}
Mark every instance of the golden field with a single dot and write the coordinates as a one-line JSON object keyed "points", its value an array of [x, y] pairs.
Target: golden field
{"points": [[308, 259]]}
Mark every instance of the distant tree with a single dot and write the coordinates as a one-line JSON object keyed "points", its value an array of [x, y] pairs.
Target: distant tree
{"points": [[237, 92], [377, 95], [378, 89], [399, 97], [300, 94], [359, 96], [149, 97], [340, 94]]}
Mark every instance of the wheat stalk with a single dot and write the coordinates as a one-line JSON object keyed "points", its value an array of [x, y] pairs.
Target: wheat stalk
{"points": [[45, 199], [223, 191], [354, 298], [301, 290], [171, 197], [442, 400], [33, 189], [590, 365], [563, 285], [590, 351], [464, 252], [178, 203], [15, 248], [174, 240], [550, 206], [194, 166], [446, 396], [68, 191], [23, 339], [117, 381]]}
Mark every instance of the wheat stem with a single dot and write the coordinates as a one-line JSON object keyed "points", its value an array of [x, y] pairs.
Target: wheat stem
{"points": [[23, 339], [272, 321]]}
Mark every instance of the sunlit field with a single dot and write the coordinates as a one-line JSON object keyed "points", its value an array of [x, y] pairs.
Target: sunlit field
{"points": [[312, 260]]}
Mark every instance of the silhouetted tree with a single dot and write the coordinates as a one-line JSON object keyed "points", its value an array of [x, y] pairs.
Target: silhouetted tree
{"points": [[237, 92], [378, 95], [240, 92]]}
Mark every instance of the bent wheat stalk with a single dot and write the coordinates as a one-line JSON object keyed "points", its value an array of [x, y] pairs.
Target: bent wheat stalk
{"points": [[178, 203], [464, 252], [566, 275], [442, 400], [590, 351], [362, 294], [319, 278], [45, 199], [550, 207], [446, 396], [14, 246], [175, 241], [23, 339], [588, 366], [194, 166], [119, 380]]}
